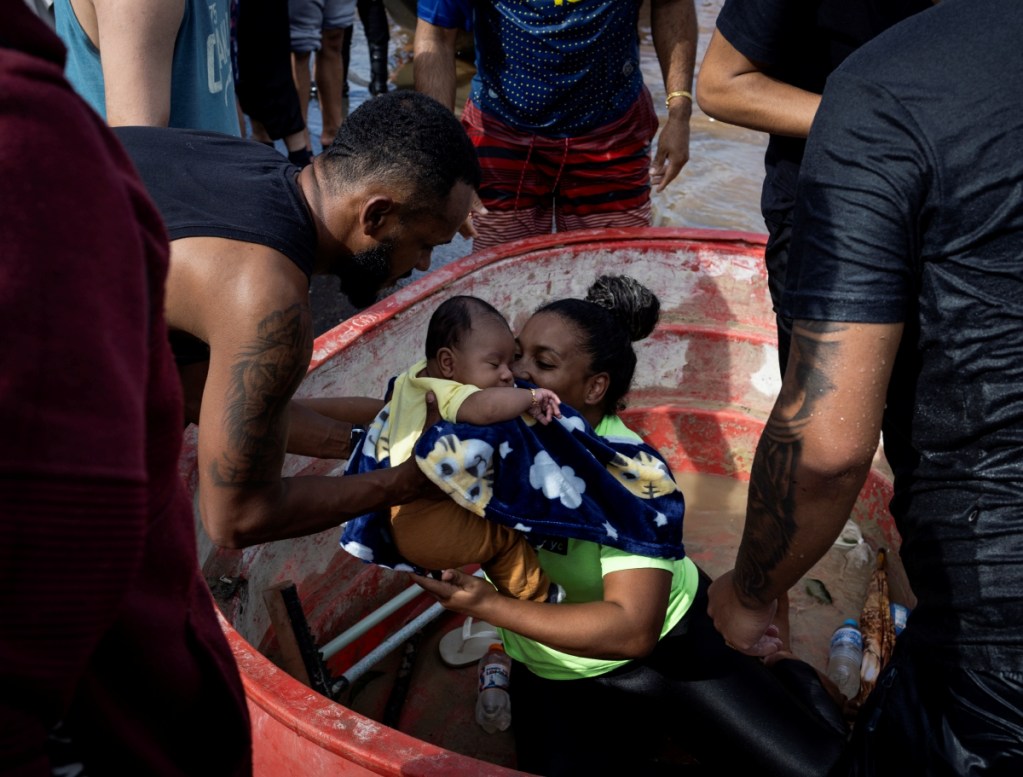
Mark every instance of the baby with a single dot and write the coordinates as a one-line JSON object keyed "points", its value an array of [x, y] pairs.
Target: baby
{"points": [[469, 352]]}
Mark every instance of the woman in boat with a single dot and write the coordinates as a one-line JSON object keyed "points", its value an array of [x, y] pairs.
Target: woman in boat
{"points": [[631, 656]]}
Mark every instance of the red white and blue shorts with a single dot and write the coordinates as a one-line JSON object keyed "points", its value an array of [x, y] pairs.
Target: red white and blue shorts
{"points": [[534, 185]]}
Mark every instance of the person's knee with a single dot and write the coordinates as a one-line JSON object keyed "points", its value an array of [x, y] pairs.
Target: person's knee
{"points": [[305, 42], [332, 40]]}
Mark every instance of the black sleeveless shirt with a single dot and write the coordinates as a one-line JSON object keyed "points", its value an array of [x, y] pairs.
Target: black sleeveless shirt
{"points": [[206, 184]]}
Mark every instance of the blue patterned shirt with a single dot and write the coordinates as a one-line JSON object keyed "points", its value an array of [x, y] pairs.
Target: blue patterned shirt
{"points": [[554, 67]]}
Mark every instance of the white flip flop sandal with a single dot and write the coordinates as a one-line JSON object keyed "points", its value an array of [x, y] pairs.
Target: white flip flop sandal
{"points": [[850, 536], [468, 644]]}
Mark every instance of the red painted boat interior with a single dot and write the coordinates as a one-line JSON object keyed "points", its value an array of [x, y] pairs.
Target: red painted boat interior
{"points": [[705, 383]]}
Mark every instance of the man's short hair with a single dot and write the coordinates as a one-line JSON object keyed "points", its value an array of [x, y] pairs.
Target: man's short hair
{"points": [[405, 138]]}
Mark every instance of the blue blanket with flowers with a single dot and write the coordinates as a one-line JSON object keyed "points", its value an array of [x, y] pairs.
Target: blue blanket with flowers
{"points": [[559, 480]]}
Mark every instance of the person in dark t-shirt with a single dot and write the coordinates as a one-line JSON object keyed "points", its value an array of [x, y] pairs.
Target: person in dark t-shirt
{"points": [[905, 287], [765, 68]]}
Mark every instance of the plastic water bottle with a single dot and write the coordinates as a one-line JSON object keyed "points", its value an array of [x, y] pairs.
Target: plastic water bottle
{"points": [[493, 704], [845, 657], [899, 614]]}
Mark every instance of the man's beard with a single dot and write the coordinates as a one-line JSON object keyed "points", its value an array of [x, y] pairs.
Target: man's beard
{"points": [[364, 275]]}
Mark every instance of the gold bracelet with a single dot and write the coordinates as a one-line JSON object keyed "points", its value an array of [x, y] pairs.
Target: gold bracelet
{"points": [[672, 95], [532, 393]]}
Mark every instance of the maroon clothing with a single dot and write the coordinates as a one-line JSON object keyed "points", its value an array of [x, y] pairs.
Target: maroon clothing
{"points": [[105, 621]]}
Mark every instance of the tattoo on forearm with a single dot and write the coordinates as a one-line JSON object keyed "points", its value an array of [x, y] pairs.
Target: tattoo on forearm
{"points": [[770, 517], [264, 378]]}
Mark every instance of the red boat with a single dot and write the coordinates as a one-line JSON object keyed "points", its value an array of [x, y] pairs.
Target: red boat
{"points": [[705, 383]]}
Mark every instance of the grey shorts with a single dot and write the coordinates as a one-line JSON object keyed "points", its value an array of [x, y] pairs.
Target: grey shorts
{"points": [[308, 18]]}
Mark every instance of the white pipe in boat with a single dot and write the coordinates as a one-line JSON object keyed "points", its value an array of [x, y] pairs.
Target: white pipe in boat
{"points": [[345, 638], [360, 667]]}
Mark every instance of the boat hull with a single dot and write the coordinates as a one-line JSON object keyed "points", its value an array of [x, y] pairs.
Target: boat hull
{"points": [[705, 383]]}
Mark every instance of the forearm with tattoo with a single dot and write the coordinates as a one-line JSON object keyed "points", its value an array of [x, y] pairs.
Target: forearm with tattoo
{"points": [[264, 377], [771, 510]]}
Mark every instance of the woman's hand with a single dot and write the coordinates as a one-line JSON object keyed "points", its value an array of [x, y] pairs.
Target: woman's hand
{"points": [[458, 591], [625, 624]]}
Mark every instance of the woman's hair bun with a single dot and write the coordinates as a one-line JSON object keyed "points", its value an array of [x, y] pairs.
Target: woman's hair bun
{"points": [[632, 304]]}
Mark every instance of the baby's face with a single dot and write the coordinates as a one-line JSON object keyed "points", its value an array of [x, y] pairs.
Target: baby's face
{"points": [[484, 357]]}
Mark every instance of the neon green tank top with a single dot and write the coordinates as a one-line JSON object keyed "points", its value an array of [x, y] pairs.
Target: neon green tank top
{"points": [[581, 571]]}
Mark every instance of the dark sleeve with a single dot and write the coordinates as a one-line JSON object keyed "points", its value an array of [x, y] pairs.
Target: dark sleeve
{"points": [[759, 29], [861, 189], [75, 322], [452, 14]]}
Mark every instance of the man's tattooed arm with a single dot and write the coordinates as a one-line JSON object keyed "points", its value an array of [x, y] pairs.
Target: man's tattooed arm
{"points": [[264, 376], [771, 512]]}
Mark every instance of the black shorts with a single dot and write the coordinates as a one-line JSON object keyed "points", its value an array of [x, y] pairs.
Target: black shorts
{"points": [[726, 710]]}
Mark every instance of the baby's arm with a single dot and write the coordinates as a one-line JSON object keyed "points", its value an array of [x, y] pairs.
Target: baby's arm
{"points": [[492, 405]]}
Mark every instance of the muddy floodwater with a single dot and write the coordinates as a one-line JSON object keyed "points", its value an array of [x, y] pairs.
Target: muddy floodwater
{"points": [[715, 516]]}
